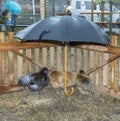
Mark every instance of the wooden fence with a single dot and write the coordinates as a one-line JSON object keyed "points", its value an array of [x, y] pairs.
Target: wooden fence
{"points": [[17, 59]]}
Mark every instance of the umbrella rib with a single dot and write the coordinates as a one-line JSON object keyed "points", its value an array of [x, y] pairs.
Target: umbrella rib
{"points": [[98, 31]]}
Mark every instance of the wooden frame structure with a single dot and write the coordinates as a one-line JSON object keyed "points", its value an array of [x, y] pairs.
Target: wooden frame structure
{"points": [[16, 47]]}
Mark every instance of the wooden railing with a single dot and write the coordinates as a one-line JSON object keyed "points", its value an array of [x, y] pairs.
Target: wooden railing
{"points": [[18, 58]]}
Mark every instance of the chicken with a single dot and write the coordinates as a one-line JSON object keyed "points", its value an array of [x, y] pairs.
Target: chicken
{"points": [[84, 83], [24, 80], [57, 78], [35, 81], [35, 87]]}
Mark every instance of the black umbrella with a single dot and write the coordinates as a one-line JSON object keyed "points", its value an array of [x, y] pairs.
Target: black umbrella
{"points": [[64, 30]]}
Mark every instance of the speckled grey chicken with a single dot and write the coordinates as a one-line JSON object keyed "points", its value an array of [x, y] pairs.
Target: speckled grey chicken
{"points": [[35, 87], [35, 81], [84, 83]]}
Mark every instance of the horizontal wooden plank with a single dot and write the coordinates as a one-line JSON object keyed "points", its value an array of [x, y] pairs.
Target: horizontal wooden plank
{"points": [[24, 45], [12, 88], [30, 45], [106, 13], [105, 49], [107, 22]]}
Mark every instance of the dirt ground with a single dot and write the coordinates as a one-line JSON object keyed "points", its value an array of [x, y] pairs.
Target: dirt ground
{"points": [[53, 105]]}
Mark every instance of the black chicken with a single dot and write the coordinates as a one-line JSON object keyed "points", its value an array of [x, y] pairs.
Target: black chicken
{"points": [[35, 81]]}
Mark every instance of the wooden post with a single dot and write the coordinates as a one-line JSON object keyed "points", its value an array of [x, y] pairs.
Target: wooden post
{"points": [[75, 59], [20, 64], [105, 71], [92, 10], [44, 56], [113, 66], [110, 28], [42, 9], [81, 59], [85, 66], [42, 16], [28, 64], [78, 59], [51, 56], [11, 60], [98, 73], [37, 56], [58, 58], [1, 61], [92, 62], [72, 59]]}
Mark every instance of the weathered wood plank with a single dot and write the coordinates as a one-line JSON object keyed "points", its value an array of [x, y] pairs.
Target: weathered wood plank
{"points": [[58, 58], [85, 58], [107, 13], [105, 71], [10, 88], [1, 60], [24, 45], [28, 64], [20, 64], [81, 59], [105, 49], [51, 56], [29, 45], [44, 56], [98, 72], [114, 50], [72, 63], [42, 9], [37, 56], [11, 61], [78, 60], [92, 62], [113, 67], [27, 58], [102, 64]]}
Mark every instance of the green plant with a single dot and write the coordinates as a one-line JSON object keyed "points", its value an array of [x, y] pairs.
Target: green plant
{"points": [[3, 19]]}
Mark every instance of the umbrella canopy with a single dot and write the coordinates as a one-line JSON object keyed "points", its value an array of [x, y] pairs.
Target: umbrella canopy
{"points": [[64, 29], [13, 7]]}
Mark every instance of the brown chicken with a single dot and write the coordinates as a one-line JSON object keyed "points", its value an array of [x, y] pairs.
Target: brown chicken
{"points": [[57, 78]]}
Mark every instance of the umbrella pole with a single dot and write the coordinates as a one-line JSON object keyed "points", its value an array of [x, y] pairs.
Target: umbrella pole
{"points": [[65, 73]]}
